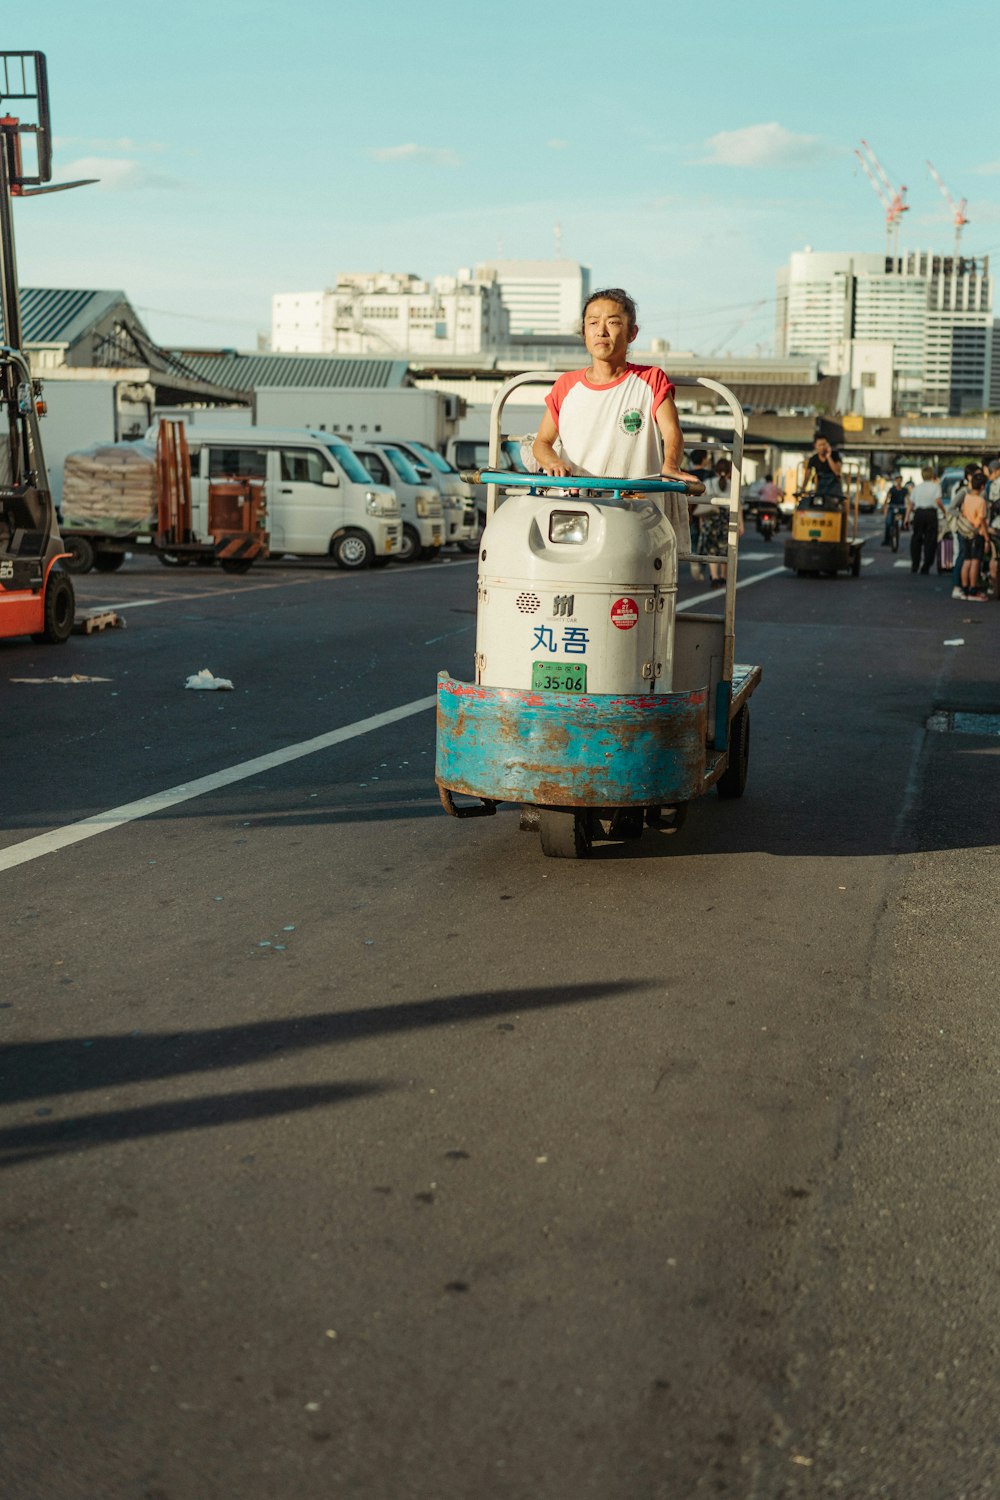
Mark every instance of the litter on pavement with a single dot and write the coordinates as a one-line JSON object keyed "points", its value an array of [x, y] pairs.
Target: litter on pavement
{"points": [[204, 681]]}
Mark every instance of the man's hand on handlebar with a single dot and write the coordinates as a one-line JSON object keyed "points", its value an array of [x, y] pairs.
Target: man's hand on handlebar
{"points": [[694, 484]]}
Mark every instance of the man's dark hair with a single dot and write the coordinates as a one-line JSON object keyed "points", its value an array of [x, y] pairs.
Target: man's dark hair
{"points": [[613, 294], [971, 468], [698, 457], [977, 481]]}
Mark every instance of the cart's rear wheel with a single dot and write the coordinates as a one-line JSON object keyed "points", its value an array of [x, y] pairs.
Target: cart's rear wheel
{"points": [[565, 833], [667, 819], [856, 564], [107, 562], [733, 780]]}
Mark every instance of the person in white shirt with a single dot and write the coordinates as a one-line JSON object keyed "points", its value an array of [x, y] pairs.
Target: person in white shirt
{"points": [[922, 507], [613, 418]]}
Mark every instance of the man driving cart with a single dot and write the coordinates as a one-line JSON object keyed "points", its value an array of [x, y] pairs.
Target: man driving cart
{"points": [[614, 417]]}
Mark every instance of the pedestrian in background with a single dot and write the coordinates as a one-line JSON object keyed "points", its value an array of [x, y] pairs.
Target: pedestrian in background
{"points": [[959, 528], [699, 467], [974, 531], [714, 519], [991, 468], [923, 505]]}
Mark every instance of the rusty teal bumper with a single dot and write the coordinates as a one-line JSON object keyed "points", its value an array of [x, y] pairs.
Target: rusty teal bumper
{"points": [[569, 749]]}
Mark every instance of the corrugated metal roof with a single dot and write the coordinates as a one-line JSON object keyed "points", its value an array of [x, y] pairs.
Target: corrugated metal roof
{"points": [[56, 315], [247, 372], [779, 396]]}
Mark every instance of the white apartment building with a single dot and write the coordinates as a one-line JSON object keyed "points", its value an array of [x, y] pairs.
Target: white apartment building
{"points": [[935, 311], [392, 314], [541, 296]]}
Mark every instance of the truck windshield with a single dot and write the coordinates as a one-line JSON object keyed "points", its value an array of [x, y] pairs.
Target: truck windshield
{"points": [[350, 463], [402, 466], [434, 459]]}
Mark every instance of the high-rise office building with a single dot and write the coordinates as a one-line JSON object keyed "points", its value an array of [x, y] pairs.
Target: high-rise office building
{"points": [[935, 310], [541, 296]]}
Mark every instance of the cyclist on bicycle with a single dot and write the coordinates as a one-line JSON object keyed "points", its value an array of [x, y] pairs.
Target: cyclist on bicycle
{"points": [[895, 505]]}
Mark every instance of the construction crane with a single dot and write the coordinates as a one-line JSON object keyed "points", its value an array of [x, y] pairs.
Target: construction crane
{"points": [[893, 199], [959, 218]]}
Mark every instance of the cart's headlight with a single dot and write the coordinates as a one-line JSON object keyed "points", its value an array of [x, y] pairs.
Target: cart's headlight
{"points": [[421, 507], [568, 525]]}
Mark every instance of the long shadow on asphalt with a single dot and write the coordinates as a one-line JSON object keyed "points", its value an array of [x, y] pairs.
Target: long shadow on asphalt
{"points": [[79, 1065]]}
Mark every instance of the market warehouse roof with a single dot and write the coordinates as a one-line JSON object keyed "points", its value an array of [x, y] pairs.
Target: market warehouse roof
{"points": [[69, 331], [57, 315], [248, 372]]}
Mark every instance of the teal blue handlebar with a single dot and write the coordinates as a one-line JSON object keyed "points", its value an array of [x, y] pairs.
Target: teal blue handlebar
{"points": [[584, 482]]}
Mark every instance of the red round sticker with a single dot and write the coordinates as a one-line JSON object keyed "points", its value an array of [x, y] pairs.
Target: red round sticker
{"points": [[624, 613]]}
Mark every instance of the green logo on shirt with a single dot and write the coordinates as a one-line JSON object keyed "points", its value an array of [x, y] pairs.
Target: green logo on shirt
{"points": [[632, 421]]}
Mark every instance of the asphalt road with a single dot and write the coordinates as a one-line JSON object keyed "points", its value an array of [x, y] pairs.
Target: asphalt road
{"points": [[351, 1151]]}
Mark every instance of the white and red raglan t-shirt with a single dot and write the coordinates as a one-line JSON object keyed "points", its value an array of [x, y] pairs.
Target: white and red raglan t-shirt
{"points": [[610, 430]]}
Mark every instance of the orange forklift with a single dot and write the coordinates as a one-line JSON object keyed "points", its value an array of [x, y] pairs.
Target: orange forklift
{"points": [[36, 596]]}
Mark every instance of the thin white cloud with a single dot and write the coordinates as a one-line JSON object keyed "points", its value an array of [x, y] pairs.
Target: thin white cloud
{"points": [[988, 169], [436, 156], [557, 145], [116, 174], [769, 145]]}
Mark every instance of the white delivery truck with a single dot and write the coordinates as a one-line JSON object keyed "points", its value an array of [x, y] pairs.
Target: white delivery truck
{"points": [[461, 523], [362, 414], [320, 501], [420, 504]]}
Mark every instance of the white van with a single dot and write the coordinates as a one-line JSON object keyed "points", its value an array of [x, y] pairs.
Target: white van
{"points": [[320, 501], [420, 504], [461, 523]]}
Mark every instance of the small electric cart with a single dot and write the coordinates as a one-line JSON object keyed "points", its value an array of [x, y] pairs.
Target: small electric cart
{"points": [[596, 705]]}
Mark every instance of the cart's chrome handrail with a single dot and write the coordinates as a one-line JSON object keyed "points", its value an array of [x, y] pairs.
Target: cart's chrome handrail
{"points": [[733, 499]]}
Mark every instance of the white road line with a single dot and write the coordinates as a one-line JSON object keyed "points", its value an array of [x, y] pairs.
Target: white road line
{"points": [[129, 604], [281, 583], [73, 833], [742, 583]]}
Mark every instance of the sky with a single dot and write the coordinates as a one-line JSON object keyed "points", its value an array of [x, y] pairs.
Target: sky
{"points": [[686, 151]]}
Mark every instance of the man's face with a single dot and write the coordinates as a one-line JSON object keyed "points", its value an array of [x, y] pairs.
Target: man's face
{"points": [[606, 330], [822, 448]]}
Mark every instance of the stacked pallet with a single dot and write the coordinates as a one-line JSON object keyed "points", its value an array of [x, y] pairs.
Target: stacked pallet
{"points": [[110, 485]]}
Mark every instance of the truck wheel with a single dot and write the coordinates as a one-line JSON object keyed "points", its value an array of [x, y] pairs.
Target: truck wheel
{"points": [[236, 564], [565, 833], [107, 562], [411, 545], [352, 550], [81, 554], [58, 611], [856, 564], [733, 780], [174, 560], [469, 546]]}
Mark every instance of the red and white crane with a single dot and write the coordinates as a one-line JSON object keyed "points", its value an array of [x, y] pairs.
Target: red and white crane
{"points": [[959, 217], [893, 199]]}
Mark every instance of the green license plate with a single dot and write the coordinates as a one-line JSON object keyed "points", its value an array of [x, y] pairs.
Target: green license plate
{"points": [[558, 677]]}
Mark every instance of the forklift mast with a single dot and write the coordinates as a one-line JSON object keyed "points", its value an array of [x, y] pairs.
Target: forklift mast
{"points": [[24, 481]]}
